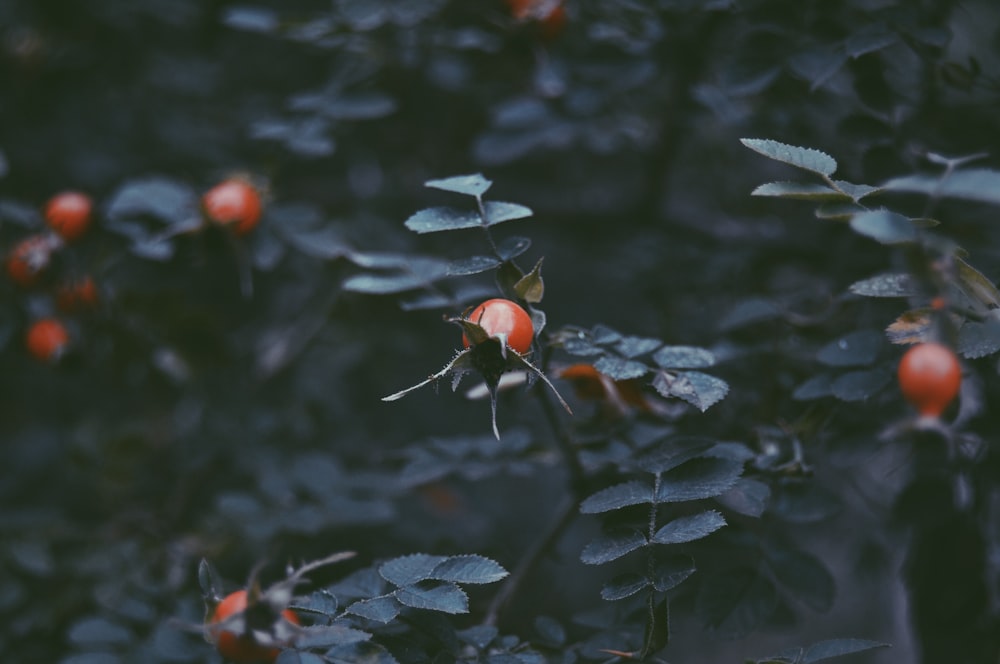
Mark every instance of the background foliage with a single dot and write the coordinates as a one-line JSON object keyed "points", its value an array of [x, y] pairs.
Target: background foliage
{"points": [[223, 401]]}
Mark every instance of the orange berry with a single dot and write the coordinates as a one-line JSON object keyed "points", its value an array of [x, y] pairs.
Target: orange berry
{"points": [[76, 295], [69, 214], [929, 377], [241, 647], [503, 317], [47, 339], [28, 259], [234, 202]]}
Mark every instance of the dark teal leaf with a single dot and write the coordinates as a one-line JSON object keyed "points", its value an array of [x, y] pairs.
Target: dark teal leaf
{"points": [[818, 65], [98, 631], [975, 184], [612, 545], [407, 570], [804, 576], [689, 528], [362, 652], [683, 357], [434, 596], [366, 106], [250, 19], [806, 191], [870, 38], [618, 368], [321, 602], [512, 247], [632, 347], [817, 387], [748, 497], [550, 630], [736, 602], [838, 647], [855, 191], [804, 502], [979, 339], [884, 226], [363, 583], [478, 636], [328, 636], [804, 158], [671, 571], [470, 185], [748, 312], [856, 349], [839, 211], [325, 242], [472, 265], [157, 197], [382, 609], [624, 585], [499, 212], [617, 496], [886, 285], [673, 452], [704, 477], [698, 389], [468, 569], [434, 220], [604, 335], [859, 385]]}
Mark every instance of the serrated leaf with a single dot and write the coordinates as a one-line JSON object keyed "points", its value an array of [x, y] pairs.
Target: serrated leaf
{"points": [[470, 185], [673, 452], [321, 602], [632, 347], [737, 601], [531, 287], [689, 528], [886, 285], [328, 636], [838, 647], [671, 571], [617, 496], [612, 546], [704, 477], [979, 339], [856, 349], [469, 569], [498, 212], [619, 368], [748, 497], [803, 575], [698, 389], [804, 158], [975, 284], [382, 609], [683, 357], [855, 191], [407, 570], [437, 219], [363, 652], [624, 585], [859, 385], [974, 184], [434, 596], [805, 191], [464, 267], [884, 227]]}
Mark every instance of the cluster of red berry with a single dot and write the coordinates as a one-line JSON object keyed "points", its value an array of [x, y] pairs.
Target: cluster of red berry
{"points": [[234, 203]]}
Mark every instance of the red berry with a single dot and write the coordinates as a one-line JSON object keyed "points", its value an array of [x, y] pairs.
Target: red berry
{"points": [[69, 214], [29, 258], [233, 202], [76, 295], [47, 339], [929, 377], [503, 317], [242, 647]]}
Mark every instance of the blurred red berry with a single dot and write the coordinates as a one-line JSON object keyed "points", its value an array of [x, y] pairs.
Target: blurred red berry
{"points": [[47, 339], [233, 202], [69, 214]]}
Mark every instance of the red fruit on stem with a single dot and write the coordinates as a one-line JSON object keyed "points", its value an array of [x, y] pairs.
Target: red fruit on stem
{"points": [[929, 377], [233, 202], [29, 258], [69, 214], [503, 317], [242, 647], [47, 339]]}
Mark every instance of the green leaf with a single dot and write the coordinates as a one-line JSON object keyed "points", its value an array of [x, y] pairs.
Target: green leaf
{"points": [[698, 389], [856, 349], [803, 575], [531, 287], [974, 184], [499, 212], [805, 191], [618, 368], [804, 158], [437, 219], [689, 528], [683, 357], [979, 339], [737, 601], [704, 477], [838, 647], [886, 285], [624, 585], [434, 596], [671, 571], [975, 284], [884, 226], [859, 385], [470, 185], [468, 569], [839, 211], [612, 545], [617, 496]]}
